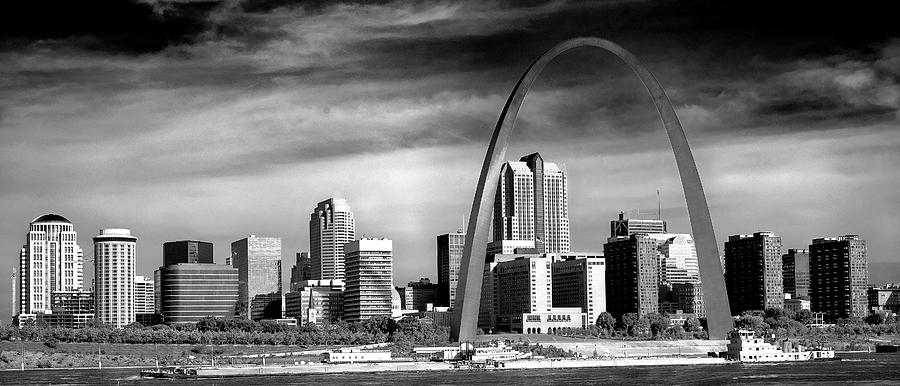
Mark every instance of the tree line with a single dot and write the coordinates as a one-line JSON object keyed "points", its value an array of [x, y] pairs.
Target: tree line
{"points": [[407, 332]]}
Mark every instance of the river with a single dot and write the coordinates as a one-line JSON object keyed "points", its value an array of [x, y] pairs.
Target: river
{"points": [[853, 368]]}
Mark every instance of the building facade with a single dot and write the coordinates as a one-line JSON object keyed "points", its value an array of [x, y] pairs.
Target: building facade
{"points": [[632, 275], [187, 251], [369, 279], [317, 302], [331, 226], [625, 227], [795, 270], [189, 292], [144, 295], [419, 294], [449, 254], [50, 261], [301, 271], [885, 299], [839, 277], [580, 281], [258, 261], [114, 265], [753, 272], [531, 203]]}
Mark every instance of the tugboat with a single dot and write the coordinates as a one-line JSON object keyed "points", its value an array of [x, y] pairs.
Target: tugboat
{"points": [[744, 346], [169, 373]]}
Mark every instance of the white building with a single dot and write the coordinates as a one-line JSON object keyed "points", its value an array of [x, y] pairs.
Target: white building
{"points": [[677, 258], [114, 260], [331, 225], [579, 280], [369, 280], [143, 295], [50, 261], [532, 204]]}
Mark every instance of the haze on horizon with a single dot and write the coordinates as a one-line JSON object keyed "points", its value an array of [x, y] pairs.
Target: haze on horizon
{"points": [[213, 120]]}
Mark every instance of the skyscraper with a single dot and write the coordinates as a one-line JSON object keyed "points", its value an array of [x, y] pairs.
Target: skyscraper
{"points": [[795, 271], [331, 225], [50, 261], [187, 251], [419, 294], [300, 272], [258, 261], [114, 263], [753, 274], [370, 279], [449, 254], [532, 203], [839, 277]]}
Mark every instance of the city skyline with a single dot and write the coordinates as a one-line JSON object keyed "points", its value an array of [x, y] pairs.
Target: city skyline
{"points": [[806, 147]]}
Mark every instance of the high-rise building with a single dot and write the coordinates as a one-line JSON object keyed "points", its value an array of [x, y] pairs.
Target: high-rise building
{"points": [[114, 265], [50, 261], [689, 297], [419, 294], [839, 277], [258, 261], [580, 281], [632, 274], [188, 292], [677, 258], [753, 272], [532, 204], [370, 279], [449, 254], [331, 225], [317, 302], [795, 271], [300, 272], [143, 295], [187, 251], [624, 227]]}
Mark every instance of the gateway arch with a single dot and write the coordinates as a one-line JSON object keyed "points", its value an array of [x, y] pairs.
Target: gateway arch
{"points": [[468, 298]]}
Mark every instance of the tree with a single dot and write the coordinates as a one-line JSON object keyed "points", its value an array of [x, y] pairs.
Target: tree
{"points": [[659, 323], [692, 324], [627, 321], [642, 326], [606, 322]]}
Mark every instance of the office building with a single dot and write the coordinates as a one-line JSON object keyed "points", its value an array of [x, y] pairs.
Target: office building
{"points": [[632, 274], [258, 261], [580, 281], [753, 272], [188, 292], [625, 227], [267, 307], [143, 295], [317, 302], [369, 280], [795, 271], [331, 226], [884, 299], [300, 272], [419, 294], [50, 261], [532, 204], [187, 251], [689, 298], [449, 254], [114, 265], [510, 247], [839, 277]]}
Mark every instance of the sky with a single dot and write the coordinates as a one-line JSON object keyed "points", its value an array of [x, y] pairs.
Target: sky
{"points": [[218, 119]]}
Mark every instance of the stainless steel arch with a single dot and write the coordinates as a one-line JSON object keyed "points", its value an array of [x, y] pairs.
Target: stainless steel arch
{"points": [[468, 293]]}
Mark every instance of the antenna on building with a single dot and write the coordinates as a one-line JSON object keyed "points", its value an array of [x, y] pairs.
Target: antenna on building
{"points": [[12, 280], [658, 206]]}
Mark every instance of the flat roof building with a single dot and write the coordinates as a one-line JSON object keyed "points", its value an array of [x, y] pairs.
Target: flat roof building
{"points": [[187, 251], [580, 281], [839, 277], [369, 279], [114, 267], [795, 269], [449, 254], [753, 272], [258, 261], [189, 292]]}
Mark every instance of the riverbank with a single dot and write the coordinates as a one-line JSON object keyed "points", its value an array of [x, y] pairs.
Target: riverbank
{"points": [[316, 368]]}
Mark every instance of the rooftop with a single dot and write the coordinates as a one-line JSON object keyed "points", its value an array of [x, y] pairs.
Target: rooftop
{"points": [[51, 217]]}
